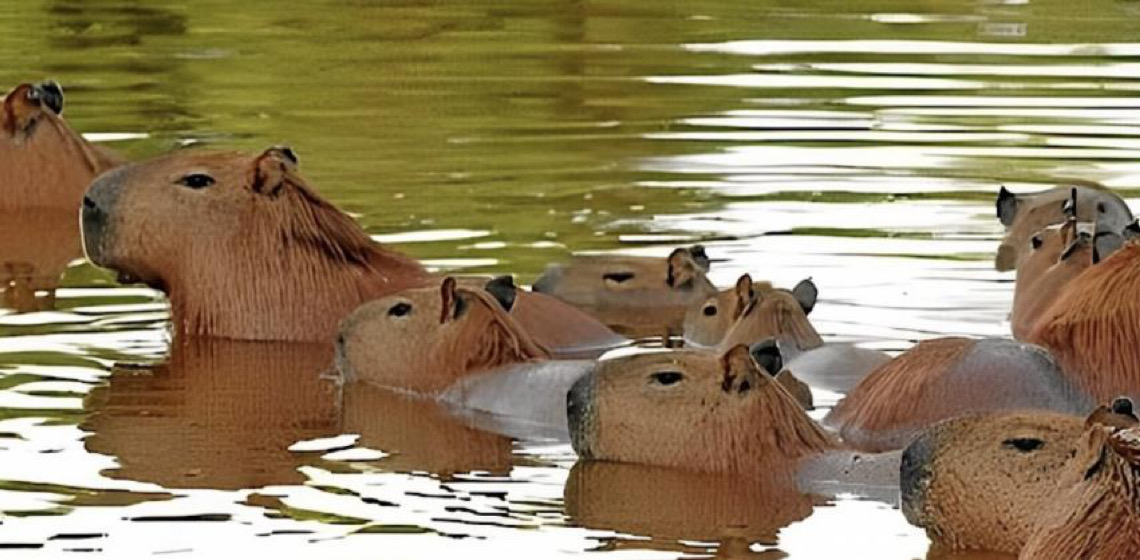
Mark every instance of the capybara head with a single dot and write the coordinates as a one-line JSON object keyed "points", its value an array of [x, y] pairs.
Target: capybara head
{"points": [[777, 314], [1095, 512], [1026, 214], [243, 246], [1093, 327], [43, 163], [980, 482], [690, 409], [425, 339], [707, 321]]}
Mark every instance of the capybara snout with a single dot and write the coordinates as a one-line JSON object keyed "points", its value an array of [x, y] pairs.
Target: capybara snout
{"points": [[914, 476]]}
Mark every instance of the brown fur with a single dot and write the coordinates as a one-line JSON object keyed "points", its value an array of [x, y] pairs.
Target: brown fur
{"points": [[773, 314], [981, 492], [445, 334], [1043, 273], [36, 247], [1093, 328], [1097, 514], [43, 163], [218, 414], [903, 381], [707, 322], [724, 415]]}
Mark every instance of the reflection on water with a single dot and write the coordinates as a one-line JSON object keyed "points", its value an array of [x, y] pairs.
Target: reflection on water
{"points": [[859, 143]]}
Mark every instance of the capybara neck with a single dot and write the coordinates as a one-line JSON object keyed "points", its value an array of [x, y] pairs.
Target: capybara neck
{"points": [[1093, 328], [298, 270]]}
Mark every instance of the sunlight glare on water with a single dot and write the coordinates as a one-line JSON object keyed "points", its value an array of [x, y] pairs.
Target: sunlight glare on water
{"points": [[859, 143]]}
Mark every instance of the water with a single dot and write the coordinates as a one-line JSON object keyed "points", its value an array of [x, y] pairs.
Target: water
{"points": [[858, 142]]}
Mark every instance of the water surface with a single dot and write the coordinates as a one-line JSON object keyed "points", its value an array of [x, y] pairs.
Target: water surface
{"points": [[859, 143]]}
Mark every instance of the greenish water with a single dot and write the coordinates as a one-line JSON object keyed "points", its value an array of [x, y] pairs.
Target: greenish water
{"points": [[857, 142]]}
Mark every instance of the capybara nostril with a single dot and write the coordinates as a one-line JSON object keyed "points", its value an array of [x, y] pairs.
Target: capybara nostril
{"points": [[50, 94], [914, 477], [579, 415]]}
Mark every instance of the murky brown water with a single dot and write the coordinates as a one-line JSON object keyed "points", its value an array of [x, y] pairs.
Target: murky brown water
{"points": [[857, 142]]}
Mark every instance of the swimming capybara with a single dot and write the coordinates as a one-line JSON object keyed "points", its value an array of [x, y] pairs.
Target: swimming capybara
{"points": [[1093, 327], [44, 164], [1025, 214], [1095, 515], [690, 409], [778, 314], [637, 296], [706, 322], [942, 378], [980, 482], [246, 249]]}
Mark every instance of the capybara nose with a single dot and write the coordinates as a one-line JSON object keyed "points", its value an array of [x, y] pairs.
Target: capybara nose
{"points": [[579, 414], [50, 95], [914, 477], [93, 222]]}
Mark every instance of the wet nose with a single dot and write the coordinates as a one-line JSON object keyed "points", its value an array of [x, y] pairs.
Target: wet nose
{"points": [[579, 414], [914, 477]]}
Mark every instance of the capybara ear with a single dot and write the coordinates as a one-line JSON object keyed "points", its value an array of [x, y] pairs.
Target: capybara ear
{"points": [[739, 370], [767, 355], [1006, 206], [448, 298], [700, 257], [744, 294], [1123, 407], [271, 169], [1132, 229], [806, 293], [504, 291], [1105, 243], [1070, 206], [51, 95], [678, 273]]}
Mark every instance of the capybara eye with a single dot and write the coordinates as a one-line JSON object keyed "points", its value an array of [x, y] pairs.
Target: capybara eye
{"points": [[1036, 241], [709, 310], [196, 181], [618, 277], [400, 309], [1024, 445], [667, 377]]}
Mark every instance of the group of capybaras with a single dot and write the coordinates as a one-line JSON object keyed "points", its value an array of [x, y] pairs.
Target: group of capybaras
{"points": [[1026, 446]]}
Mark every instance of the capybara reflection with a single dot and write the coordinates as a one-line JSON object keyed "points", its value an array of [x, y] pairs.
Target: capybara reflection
{"points": [[980, 482], [36, 246], [44, 164], [942, 378], [637, 296], [218, 414], [1093, 327], [690, 409], [246, 249], [1095, 514], [426, 339], [1025, 214]]}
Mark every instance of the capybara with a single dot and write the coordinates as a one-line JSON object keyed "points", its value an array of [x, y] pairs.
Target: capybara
{"points": [[246, 249], [637, 296], [1025, 214], [706, 322], [1095, 514], [691, 409], [1093, 327], [980, 482], [942, 378], [36, 246], [44, 164]]}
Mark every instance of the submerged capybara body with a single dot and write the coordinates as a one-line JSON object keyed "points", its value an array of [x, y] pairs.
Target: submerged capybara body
{"points": [[689, 409], [1093, 328], [426, 339], [1024, 215], [43, 163], [942, 378], [246, 249], [637, 296], [36, 246]]}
